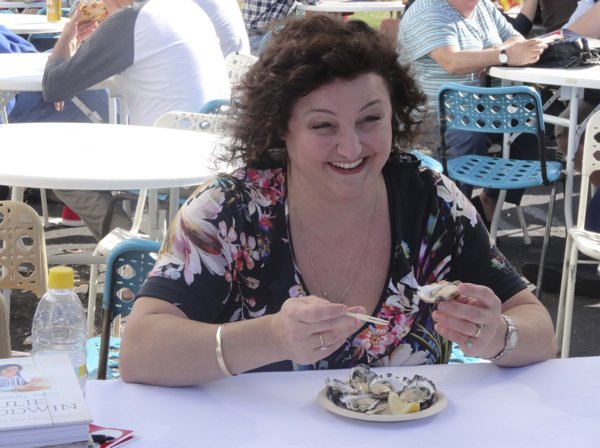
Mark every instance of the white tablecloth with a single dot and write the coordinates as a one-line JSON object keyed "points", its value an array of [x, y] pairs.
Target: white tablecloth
{"points": [[551, 404]]}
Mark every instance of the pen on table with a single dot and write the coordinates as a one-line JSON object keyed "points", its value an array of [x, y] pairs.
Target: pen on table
{"points": [[101, 438]]}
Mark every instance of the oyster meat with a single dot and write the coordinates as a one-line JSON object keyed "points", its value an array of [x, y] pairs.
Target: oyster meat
{"points": [[438, 292]]}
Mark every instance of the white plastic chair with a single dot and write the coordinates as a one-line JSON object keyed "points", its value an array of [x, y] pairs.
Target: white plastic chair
{"points": [[582, 240], [213, 124], [237, 65], [22, 259]]}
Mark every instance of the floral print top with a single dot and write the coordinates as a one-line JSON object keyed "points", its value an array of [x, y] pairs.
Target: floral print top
{"points": [[227, 257]]}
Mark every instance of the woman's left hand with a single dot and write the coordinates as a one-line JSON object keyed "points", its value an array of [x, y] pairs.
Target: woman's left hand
{"points": [[472, 321]]}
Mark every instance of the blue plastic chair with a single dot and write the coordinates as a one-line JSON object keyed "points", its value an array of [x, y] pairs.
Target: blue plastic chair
{"points": [[427, 161], [498, 110], [127, 266], [216, 107], [6, 11]]}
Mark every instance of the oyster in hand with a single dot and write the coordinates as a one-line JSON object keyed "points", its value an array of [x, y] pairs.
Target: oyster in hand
{"points": [[438, 292]]}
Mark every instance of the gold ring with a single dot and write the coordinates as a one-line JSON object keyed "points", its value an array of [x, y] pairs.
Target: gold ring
{"points": [[322, 343], [469, 343], [479, 327]]}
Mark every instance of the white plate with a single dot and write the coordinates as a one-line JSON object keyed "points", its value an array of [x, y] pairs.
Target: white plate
{"points": [[439, 403]]}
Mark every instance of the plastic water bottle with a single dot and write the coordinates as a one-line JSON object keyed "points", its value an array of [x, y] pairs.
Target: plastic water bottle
{"points": [[59, 324]]}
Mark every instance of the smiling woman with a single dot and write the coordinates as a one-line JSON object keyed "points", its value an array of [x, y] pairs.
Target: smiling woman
{"points": [[327, 216]]}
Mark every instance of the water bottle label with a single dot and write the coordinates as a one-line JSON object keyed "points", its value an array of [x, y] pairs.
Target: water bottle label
{"points": [[81, 373]]}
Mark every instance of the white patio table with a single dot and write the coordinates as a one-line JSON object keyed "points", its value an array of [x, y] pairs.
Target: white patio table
{"points": [[12, 5], [31, 24], [551, 404], [88, 156], [348, 6]]}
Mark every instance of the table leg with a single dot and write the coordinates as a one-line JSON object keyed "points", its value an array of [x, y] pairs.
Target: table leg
{"points": [[173, 205], [155, 232]]}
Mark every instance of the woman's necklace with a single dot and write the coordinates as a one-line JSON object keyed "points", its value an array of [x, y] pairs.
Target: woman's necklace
{"points": [[361, 258]]}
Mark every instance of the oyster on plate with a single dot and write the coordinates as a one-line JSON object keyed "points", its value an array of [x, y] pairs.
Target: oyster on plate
{"points": [[438, 292], [367, 392]]}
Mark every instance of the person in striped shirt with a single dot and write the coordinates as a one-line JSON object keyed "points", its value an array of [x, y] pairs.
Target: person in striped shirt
{"points": [[453, 41], [12, 379]]}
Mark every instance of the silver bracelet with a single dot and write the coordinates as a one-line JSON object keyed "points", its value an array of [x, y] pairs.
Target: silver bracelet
{"points": [[219, 350]]}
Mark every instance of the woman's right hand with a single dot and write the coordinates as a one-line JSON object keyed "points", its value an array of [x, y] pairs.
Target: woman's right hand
{"points": [[296, 328]]}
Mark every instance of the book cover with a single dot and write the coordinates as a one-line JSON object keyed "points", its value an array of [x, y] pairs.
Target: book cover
{"points": [[38, 392]]}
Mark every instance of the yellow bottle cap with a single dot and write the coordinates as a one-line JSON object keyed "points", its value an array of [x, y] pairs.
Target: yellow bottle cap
{"points": [[61, 277]]}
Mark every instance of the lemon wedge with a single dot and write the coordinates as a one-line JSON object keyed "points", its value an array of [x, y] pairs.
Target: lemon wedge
{"points": [[398, 406]]}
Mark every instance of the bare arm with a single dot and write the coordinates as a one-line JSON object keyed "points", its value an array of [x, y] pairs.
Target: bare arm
{"points": [[588, 25], [529, 8], [72, 36], [457, 321], [162, 346], [463, 62]]}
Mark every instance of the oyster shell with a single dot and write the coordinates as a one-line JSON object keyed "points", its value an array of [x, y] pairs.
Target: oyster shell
{"points": [[359, 403], [360, 378], [419, 390], [382, 385], [438, 292]]}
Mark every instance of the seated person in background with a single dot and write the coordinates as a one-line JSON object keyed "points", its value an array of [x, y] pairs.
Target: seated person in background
{"points": [[164, 56], [522, 23], [226, 17], [452, 41], [556, 13], [260, 15], [588, 279], [328, 215]]}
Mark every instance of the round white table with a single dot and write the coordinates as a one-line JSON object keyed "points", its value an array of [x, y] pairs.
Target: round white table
{"points": [[88, 156], [348, 6], [12, 5], [31, 24]]}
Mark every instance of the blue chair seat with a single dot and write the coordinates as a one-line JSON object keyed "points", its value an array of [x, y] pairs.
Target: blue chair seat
{"points": [[93, 358], [427, 161], [501, 174]]}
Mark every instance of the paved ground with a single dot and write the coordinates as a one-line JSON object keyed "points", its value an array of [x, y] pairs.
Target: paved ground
{"points": [[586, 331]]}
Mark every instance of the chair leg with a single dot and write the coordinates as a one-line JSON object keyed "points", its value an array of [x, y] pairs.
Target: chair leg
{"points": [[572, 277], [5, 346], [92, 299], [526, 237], [497, 213], [538, 291], [560, 318]]}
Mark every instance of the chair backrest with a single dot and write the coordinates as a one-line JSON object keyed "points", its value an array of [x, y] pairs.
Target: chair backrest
{"points": [[515, 109], [213, 124], [590, 163], [266, 40], [22, 259], [127, 267], [237, 65], [23, 253]]}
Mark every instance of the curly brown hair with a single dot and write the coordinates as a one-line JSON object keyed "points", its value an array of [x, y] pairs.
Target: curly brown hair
{"points": [[303, 55]]}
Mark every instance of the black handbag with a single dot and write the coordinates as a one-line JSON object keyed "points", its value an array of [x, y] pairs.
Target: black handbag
{"points": [[572, 52]]}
